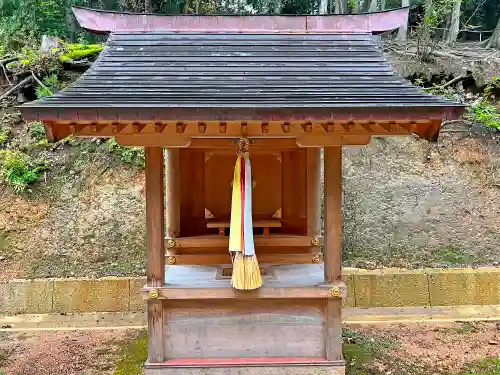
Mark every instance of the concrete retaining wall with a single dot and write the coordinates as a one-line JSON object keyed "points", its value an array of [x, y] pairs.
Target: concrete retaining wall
{"points": [[378, 288]]}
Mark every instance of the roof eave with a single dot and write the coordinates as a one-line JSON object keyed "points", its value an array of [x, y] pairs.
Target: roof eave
{"points": [[127, 114]]}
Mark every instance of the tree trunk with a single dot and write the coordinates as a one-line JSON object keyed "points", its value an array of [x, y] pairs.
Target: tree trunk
{"points": [[403, 30], [148, 6], [382, 4], [452, 33], [340, 7], [277, 7], [323, 7], [494, 41], [373, 6], [428, 9]]}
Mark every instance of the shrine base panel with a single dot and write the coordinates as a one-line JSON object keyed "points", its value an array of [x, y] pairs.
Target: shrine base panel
{"points": [[275, 369], [207, 327]]}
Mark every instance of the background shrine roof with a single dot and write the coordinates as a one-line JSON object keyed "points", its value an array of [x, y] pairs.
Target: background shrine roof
{"points": [[100, 21], [161, 75]]}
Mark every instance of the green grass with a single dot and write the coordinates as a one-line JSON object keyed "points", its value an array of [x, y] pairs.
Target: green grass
{"points": [[3, 358], [37, 131], [488, 366], [18, 170], [131, 155]]}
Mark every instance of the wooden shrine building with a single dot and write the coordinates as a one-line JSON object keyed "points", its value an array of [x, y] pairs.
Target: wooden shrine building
{"points": [[187, 88]]}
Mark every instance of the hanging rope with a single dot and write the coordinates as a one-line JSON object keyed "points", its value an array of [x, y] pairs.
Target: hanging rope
{"points": [[246, 271]]}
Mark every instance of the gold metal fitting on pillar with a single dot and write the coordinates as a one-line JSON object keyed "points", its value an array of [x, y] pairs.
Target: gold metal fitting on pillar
{"points": [[171, 243], [315, 241], [335, 292], [171, 261], [153, 294], [316, 258]]}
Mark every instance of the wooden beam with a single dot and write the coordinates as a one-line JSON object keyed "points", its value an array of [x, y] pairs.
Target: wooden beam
{"points": [[153, 140], [137, 127], [159, 127], [202, 127], [308, 134], [333, 213], [313, 190], [333, 247], [307, 127], [180, 127], [260, 241], [286, 127], [155, 226], [332, 140], [267, 292], [116, 128], [172, 193], [225, 258]]}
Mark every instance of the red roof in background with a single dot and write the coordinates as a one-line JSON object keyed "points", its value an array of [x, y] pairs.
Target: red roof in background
{"points": [[104, 21]]}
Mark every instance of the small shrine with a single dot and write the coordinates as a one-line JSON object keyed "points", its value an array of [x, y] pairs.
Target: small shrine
{"points": [[240, 116]]}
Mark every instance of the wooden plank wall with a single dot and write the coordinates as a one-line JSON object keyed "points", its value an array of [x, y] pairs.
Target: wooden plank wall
{"points": [[245, 328]]}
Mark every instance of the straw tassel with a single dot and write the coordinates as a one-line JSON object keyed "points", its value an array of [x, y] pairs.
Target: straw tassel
{"points": [[246, 271]]}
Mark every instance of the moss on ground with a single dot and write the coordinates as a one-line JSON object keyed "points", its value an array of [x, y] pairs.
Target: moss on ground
{"points": [[132, 357], [358, 350]]}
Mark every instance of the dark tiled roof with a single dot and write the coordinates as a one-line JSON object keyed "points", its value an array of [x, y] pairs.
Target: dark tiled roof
{"points": [[162, 75]]}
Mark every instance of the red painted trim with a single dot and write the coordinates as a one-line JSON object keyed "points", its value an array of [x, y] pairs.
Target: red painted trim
{"points": [[241, 362], [103, 21]]}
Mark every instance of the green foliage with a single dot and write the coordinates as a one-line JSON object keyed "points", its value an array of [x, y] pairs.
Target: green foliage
{"points": [[37, 131], [31, 59], [78, 51], [18, 170], [42, 92], [488, 115], [487, 112], [52, 84], [488, 366], [131, 155], [5, 135], [132, 357]]}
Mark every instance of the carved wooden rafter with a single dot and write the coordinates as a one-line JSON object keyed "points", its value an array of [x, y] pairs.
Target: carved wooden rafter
{"points": [[306, 134]]}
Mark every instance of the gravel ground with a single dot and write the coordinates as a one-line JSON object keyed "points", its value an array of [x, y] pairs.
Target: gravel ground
{"points": [[57, 353], [425, 349], [402, 349]]}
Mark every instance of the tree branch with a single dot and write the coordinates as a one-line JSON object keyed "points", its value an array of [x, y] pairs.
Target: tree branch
{"points": [[20, 85], [453, 81]]}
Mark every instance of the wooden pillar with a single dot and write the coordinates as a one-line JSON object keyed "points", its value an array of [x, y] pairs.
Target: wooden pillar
{"points": [[333, 248], [172, 193], [313, 191], [155, 223]]}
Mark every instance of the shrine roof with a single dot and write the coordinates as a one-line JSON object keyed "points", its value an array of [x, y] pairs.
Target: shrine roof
{"points": [[196, 76]]}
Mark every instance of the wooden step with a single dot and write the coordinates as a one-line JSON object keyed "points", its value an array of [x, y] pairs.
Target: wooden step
{"points": [[266, 224]]}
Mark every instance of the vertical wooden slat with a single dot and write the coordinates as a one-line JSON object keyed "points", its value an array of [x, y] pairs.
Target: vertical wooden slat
{"points": [[172, 192], [294, 185], [155, 223], [313, 191], [333, 213], [333, 323], [333, 248]]}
